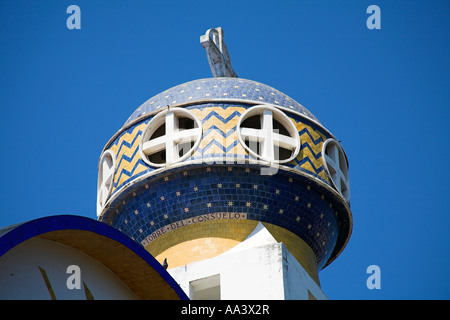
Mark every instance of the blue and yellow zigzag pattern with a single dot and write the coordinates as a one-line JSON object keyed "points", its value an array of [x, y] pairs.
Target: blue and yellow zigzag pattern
{"points": [[219, 132], [219, 140], [128, 161], [310, 155]]}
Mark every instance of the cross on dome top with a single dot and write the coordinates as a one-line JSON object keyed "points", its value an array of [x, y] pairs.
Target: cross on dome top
{"points": [[217, 53]]}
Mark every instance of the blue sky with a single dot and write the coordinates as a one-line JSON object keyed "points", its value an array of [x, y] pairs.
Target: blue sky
{"points": [[385, 93]]}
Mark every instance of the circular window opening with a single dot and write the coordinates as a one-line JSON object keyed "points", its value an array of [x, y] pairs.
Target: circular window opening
{"points": [[336, 165], [106, 169], [170, 137], [267, 133]]}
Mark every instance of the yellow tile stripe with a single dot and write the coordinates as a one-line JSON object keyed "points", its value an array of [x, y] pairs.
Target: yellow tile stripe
{"points": [[220, 142], [128, 152]]}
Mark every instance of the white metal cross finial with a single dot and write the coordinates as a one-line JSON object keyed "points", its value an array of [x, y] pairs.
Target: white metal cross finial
{"points": [[217, 53], [173, 141]]}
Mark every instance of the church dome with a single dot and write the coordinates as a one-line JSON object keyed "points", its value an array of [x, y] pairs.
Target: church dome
{"points": [[147, 188], [218, 89], [195, 168]]}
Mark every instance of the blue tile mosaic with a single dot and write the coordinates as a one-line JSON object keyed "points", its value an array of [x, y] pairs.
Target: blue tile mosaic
{"points": [[285, 199], [218, 88]]}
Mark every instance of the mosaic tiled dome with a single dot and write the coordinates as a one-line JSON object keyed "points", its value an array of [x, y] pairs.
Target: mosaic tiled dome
{"points": [[218, 89], [217, 189]]}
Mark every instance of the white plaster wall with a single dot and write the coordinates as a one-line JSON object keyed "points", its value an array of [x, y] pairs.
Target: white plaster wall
{"points": [[20, 277], [253, 274], [256, 269], [249, 274], [297, 282]]}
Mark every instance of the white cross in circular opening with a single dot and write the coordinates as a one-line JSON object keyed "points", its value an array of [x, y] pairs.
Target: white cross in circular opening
{"points": [[106, 170], [176, 142], [337, 166], [270, 139]]}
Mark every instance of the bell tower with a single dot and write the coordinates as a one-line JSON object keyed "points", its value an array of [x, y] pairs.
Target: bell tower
{"points": [[235, 185]]}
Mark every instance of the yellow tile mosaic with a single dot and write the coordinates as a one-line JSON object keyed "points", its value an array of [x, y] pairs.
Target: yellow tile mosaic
{"points": [[127, 155], [219, 140]]}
